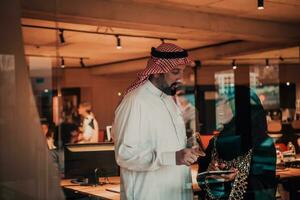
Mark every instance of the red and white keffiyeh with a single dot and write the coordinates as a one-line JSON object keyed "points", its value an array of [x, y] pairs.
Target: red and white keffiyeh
{"points": [[158, 65]]}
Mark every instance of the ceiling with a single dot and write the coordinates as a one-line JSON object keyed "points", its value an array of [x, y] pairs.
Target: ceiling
{"points": [[96, 48], [275, 10], [203, 27]]}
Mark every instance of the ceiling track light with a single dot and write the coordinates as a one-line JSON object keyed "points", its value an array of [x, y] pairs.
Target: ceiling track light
{"points": [[82, 63], [61, 36], [233, 64], [62, 62], [260, 4], [267, 63], [118, 42], [61, 30]]}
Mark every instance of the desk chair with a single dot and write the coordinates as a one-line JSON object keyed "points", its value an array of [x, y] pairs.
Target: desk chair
{"points": [[101, 136], [274, 129], [205, 140], [296, 128], [296, 124]]}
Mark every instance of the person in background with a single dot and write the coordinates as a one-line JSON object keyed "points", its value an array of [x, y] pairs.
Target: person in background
{"points": [[89, 129], [49, 134], [149, 132], [188, 112], [69, 130]]}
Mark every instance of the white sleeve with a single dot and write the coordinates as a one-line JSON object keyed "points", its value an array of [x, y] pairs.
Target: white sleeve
{"points": [[88, 130], [134, 152]]}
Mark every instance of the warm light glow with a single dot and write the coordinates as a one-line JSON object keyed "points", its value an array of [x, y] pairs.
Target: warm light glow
{"points": [[260, 4], [119, 94], [267, 63], [62, 62], [46, 90], [233, 64], [287, 83], [55, 110]]}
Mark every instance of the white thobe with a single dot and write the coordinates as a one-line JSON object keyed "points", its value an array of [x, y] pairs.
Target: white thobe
{"points": [[148, 130]]}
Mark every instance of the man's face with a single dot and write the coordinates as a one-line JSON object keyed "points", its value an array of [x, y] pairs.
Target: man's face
{"points": [[170, 81]]}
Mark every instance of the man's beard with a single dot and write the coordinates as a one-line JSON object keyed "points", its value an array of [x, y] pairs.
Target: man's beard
{"points": [[170, 90]]}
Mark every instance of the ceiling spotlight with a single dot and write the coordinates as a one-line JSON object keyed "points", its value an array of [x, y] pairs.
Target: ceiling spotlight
{"points": [[233, 64], [62, 62], [267, 63], [118, 42], [260, 4], [61, 35], [287, 83], [82, 63]]}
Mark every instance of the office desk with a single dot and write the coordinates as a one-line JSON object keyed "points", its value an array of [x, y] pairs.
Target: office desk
{"points": [[289, 178], [288, 173], [99, 191]]}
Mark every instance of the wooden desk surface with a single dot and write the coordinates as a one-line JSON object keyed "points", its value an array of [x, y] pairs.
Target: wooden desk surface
{"points": [[100, 191], [288, 173]]}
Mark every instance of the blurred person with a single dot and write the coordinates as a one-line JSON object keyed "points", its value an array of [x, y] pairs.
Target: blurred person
{"points": [[69, 130], [89, 130], [49, 134], [188, 112], [149, 132]]}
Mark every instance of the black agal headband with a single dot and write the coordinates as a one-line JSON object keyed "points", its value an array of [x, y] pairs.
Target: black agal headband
{"points": [[168, 55]]}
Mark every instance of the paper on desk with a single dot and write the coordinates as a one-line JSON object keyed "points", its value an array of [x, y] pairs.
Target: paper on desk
{"points": [[114, 188]]}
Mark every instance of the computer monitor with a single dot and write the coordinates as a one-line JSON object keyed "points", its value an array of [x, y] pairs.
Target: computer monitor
{"points": [[90, 161]]}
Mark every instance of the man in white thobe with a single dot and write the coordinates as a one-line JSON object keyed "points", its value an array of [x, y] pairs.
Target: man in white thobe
{"points": [[149, 132]]}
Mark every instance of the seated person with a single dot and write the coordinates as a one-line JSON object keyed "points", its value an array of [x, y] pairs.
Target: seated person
{"points": [[69, 130], [49, 134], [89, 129], [253, 163]]}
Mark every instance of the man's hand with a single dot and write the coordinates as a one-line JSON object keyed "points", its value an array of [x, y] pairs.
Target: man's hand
{"points": [[187, 156]]}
